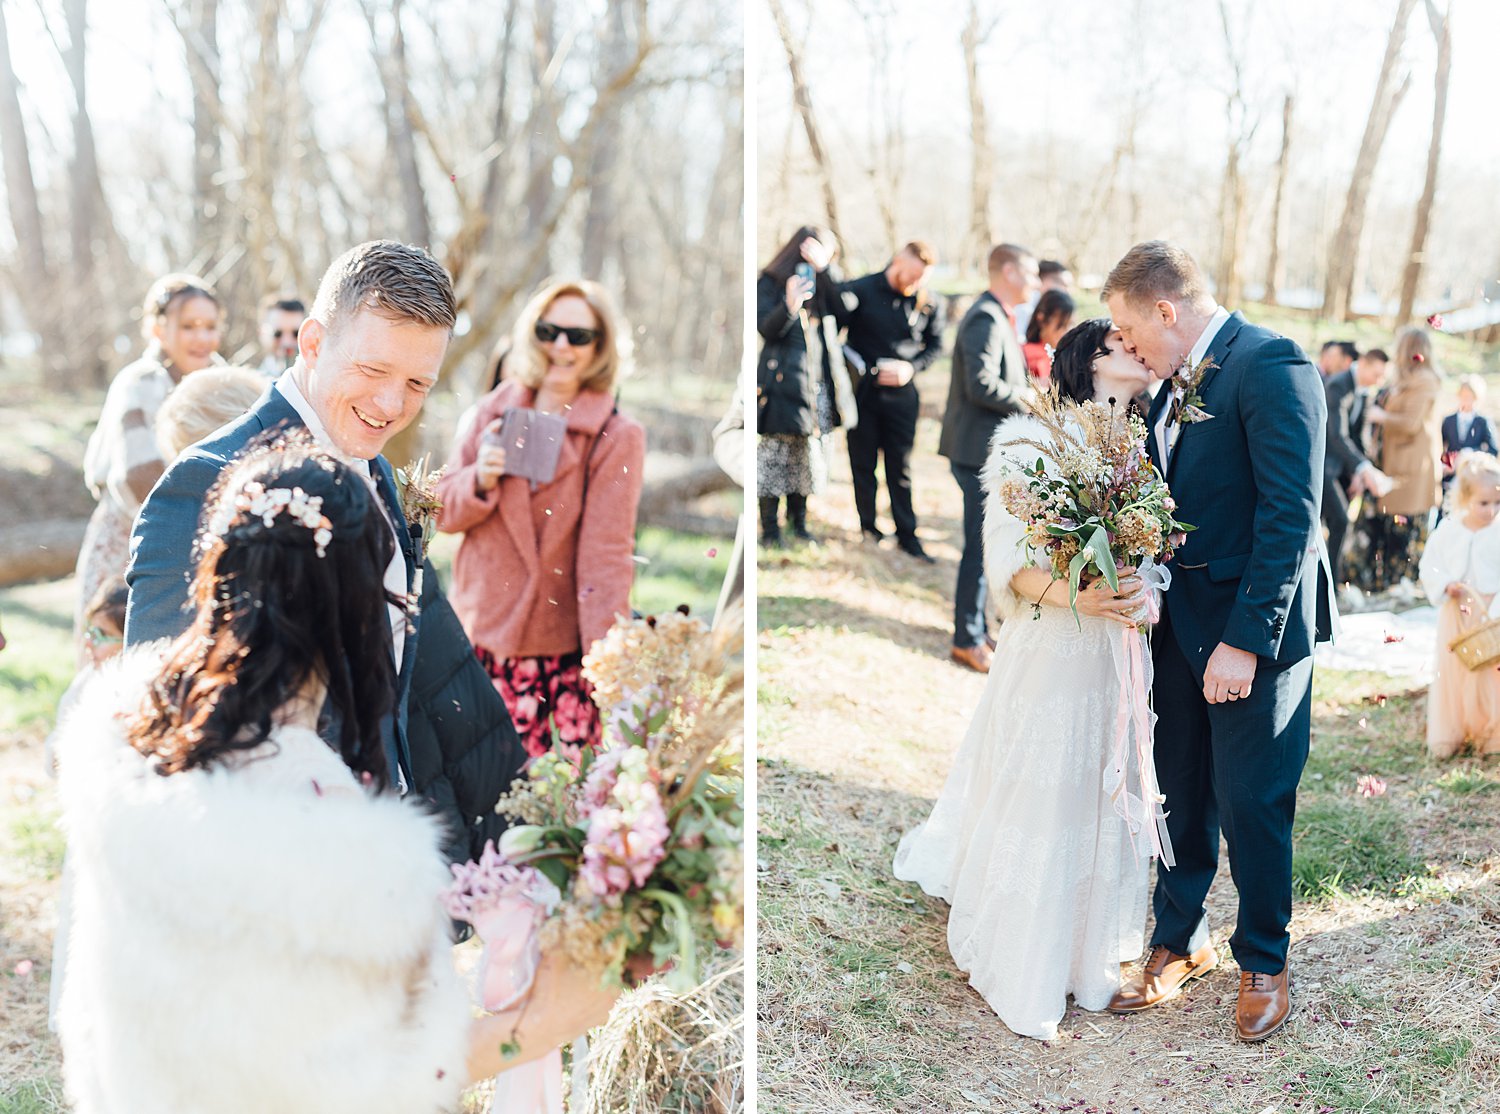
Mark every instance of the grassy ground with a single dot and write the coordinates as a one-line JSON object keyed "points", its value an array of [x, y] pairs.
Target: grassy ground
{"points": [[35, 668], [1396, 930]]}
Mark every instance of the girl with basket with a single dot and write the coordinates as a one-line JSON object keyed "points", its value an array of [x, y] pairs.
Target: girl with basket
{"points": [[1460, 571]]}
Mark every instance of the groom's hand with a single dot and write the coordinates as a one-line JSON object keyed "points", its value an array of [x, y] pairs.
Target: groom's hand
{"points": [[1229, 676]]}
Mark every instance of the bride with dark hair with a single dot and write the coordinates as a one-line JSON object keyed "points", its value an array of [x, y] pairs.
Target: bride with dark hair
{"points": [[1044, 876], [255, 922]]}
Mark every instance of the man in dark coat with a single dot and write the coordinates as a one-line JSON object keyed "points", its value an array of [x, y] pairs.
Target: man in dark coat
{"points": [[896, 330], [368, 354], [1345, 465], [989, 383], [1241, 443]]}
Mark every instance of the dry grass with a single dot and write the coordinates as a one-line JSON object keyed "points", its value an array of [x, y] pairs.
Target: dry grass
{"points": [[1396, 932]]}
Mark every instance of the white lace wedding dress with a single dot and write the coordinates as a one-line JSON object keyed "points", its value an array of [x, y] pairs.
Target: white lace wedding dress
{"points": [[1047, 886]]}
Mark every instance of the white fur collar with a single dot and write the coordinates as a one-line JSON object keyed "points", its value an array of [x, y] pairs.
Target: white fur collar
{"points": [[235, 856]]}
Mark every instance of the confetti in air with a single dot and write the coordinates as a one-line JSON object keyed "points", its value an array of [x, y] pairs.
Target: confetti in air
{"points": [[1389, 637], [1435, 322], [713, 551]]}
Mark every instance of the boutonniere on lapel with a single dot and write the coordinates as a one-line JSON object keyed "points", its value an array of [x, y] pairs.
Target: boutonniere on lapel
{"points": [[420, 504], [1187, 404]]}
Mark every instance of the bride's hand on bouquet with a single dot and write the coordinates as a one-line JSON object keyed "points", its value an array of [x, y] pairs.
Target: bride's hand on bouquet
{"points": [[567, 999], [1126, 605]]}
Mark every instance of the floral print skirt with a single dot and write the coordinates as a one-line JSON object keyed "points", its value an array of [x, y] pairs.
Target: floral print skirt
{"points": [[547, 697]]}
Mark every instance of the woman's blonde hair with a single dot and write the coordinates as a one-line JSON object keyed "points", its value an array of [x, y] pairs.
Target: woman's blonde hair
{"points": [[1475, 472], [168, 293], [202, 402], [527, 361], [1413, 342]]}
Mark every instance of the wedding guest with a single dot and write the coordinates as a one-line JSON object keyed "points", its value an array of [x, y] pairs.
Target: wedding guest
{"points": [[182, 324], [1460, 572], [1337, 356], [449, 741], [895, 328], [988, 384], [1052, 318], [546, 567], [280, 318], [1411, 454], [1346, 468], [797, 381], [1052, 275], [1466, 428], [212, 398], [256, 891]]}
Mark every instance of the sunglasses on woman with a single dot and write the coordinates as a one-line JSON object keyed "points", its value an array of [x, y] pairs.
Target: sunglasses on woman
{"points": [[546, 332]]}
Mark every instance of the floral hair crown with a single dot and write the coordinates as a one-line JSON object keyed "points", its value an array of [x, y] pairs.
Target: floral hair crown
{"points": [[267, 503]]}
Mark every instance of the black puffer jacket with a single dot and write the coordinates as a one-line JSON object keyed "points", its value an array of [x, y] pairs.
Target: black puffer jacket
{"points": [[786, 388], [464, 749]]}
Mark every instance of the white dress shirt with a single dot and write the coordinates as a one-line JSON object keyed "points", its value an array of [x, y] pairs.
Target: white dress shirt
{"points": [[395, 572], [1166, 439]]}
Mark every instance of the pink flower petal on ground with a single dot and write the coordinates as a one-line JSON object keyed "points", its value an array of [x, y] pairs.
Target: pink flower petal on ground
{"points": [[23, 969], [1370, 786]]}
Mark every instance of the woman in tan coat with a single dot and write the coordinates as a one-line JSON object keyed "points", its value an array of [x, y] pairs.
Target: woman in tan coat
{"points": [[1411, 454], [545, 568]]}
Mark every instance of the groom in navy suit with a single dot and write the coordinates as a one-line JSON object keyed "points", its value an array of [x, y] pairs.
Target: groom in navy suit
{"points": [[368, 355], [1241, 445]]}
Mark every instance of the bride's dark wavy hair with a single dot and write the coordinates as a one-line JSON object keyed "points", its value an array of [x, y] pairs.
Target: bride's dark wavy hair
{"points": [[271, 614], [1073, 358]]}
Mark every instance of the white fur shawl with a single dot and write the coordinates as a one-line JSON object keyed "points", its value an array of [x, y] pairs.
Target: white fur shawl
{"points": [[1004, 553], [245, 940]]}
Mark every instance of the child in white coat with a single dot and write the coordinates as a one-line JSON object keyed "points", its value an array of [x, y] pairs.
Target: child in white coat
{"points": [[1460, 570]]}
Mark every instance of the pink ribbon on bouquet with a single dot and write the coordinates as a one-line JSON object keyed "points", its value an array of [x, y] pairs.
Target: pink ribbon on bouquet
{"points": [[512, 948], [1140, 806]]}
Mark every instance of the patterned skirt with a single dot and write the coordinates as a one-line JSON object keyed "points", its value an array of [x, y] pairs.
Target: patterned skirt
{"points": [[549, 701], [787, 464]]}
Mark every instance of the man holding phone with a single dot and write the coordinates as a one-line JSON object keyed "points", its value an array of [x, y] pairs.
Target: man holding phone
{"points": [[896, 328]]}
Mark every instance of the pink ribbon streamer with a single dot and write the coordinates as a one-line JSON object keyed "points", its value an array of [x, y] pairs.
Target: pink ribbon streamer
{"points": [[1140, 806], [512, 948]]}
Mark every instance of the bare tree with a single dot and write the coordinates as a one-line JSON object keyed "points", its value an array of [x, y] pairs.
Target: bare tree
{"points": [[982, 167], [1343, 252], [200, 33], [1278, 203], [1442, 31], [20, 184], [802, 97], [395, 80], [1233, 190]]}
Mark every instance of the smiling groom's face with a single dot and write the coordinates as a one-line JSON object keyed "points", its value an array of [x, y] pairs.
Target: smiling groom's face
{"points": [[368, 380]]}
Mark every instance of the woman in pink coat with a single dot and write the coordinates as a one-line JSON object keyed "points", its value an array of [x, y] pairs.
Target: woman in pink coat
{"points": [[545, 568]]}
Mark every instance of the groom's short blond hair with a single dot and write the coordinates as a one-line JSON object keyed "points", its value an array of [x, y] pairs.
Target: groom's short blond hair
{"points": [[1156, 271]]}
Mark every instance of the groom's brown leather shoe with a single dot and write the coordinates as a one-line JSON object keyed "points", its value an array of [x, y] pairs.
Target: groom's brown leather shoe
{"points": [[1264, 1004], [1162, 976]]}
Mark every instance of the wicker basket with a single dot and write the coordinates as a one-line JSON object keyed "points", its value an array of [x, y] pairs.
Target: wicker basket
{"points": [[1479, 648]]}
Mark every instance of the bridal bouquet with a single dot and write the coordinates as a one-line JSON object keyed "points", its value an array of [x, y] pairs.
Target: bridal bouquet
{"points": [[1101, 505], [628, 858]]}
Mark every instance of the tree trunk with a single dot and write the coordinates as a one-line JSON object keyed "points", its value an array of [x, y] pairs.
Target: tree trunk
{"points": [[1343, 252], [20, 185], [982, 165], [542, 139], [209, 208], [418, 226], [614, 54], [802, 96], [1273, 262], [1442, 31]]}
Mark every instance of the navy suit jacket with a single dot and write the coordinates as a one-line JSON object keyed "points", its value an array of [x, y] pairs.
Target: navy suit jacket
{"points": [[1254, 574], [161, 545], [1480, 437]]}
